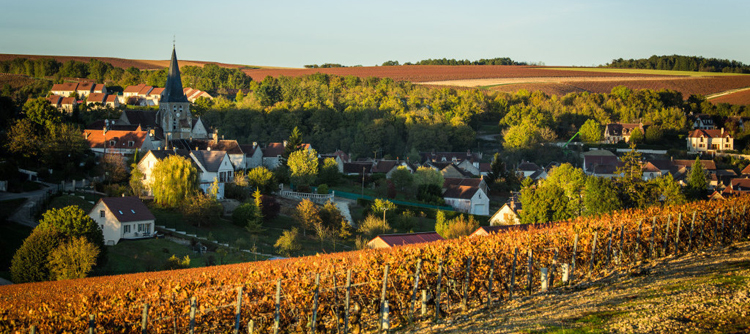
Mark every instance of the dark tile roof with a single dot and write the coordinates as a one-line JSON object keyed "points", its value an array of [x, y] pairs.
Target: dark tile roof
{"points": [[528, 167], [273, 150], [249, 149], [463, 192], [384, 166], [211, 160], [452, 181], [128, 209], [145, 118], [409, 238], [707, 164], [356, 167]]}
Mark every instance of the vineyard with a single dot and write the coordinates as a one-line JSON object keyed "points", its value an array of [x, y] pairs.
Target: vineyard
{"points": [[347, 291], [739, 98]]}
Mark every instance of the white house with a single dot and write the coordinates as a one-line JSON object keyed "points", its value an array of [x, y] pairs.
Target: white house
{"points": [[84, 89], [468, 199], [64, 89], [253, 155], [710, 141], [508, 214], [118, 141], [123, 218], [272, 155]]}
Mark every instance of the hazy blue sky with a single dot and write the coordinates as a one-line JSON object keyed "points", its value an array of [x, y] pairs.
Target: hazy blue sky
{"points": [[295, 33]]}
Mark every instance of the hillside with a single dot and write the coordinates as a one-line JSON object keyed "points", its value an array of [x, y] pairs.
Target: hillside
{"points": [[702, 292]]}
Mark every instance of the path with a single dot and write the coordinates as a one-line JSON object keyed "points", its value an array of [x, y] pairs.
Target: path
{"points": [[23, 214], [343, 205], [726, 92]]}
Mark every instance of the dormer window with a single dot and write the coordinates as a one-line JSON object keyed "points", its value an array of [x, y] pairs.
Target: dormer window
{"points": [[131, 143], [112, 143]]}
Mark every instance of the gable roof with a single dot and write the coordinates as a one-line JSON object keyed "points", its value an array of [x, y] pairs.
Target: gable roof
{"points": [[249, 149], [68, 101], [710, 134], [393, 240], [229, 145], [65, 87], [650, 168], [127, 209], [112, 98], [210, 160], [134, 89], [85, 86], [528, 167], [54, 99], [745, 170], [273, 150], [99, 88], [96, 98], [144, 118], [357, 167], [462, 192], [156, 91], [707, 164], [384, 166], [452, 181], [96, 138], [741, 184]]}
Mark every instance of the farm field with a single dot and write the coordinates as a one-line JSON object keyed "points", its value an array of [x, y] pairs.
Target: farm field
{"points": [[644, 71], [741, 97], [141, 64]]}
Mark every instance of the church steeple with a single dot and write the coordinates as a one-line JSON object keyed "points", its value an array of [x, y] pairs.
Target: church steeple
{"points": [[173, 91]]}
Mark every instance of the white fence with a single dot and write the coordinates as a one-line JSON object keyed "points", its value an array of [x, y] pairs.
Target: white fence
{"points": [[315, 198]]}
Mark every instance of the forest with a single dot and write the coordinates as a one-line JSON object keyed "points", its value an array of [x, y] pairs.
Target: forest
{"points": [[454, 62], [682, 63]]}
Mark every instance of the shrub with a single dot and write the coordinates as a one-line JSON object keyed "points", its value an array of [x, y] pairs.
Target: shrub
{"points": [[30, 261], [457, 227], [289, 242], [72, 259], [373, 226], [323, 189], [244, 213]]}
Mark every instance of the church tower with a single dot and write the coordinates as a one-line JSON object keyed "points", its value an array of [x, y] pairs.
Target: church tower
{"points": [[174, 109]]}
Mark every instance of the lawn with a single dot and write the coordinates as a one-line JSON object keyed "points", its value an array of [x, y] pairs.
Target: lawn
{"points": [[133, 256], [642, 71], [12, 235], [62, 201]]}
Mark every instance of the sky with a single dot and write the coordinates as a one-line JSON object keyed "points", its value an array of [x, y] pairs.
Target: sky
{"points": [[295, 33]]}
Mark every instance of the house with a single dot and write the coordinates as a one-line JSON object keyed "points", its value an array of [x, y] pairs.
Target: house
{"points": [[68, 104], [745, 171], [341, 158], [253, 155], [650, 171], [703, 122], [453, 157], [54, 100], [475, 167], [84, 89], [617, 132], [710, 141], [99, 88], [357, 168], [211, 165], [451, 171], [272, 155], [472, 200], [384, 166], [473, 182], [393, 240], [113, 101], [64, 89], [527, 168], [600, 163], [95, 98], [123, 218], [509, 213], [138, 95], [231, 147], [118, 141], [154, 96], [194, 94]]}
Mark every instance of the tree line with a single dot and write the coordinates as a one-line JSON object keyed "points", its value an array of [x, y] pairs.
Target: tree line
{"points": [[445, 61], [211, 77], [682, 63]]}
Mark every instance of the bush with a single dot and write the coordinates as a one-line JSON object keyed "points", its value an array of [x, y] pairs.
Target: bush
{"points": [[431, 194], [175, 263], [234, 191], [456, 227], [323, 189], [73, 259], [244, 213], [373, 226], [289, 242], [270, 207], [30, 262]]}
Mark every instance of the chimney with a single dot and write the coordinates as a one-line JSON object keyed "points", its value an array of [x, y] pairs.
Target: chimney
{"points": [[285, 142], [255, 144], [216, 136], [222, 137]]}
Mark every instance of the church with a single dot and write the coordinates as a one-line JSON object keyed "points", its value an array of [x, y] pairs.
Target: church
{"points": [[173, 120]]}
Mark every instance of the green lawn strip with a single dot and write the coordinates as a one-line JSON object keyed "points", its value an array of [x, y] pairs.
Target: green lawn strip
{"points": [[641, 71], [133, 256], [62, 201]]}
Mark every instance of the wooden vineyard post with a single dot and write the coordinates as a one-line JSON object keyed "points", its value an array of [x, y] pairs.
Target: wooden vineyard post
{"points": [[277, 312], [552, 270], [716, 227], [609, 247], [250, 327], [193, 307], [665, 243], [593, 255], [237, 311], [92, 325], [424, 302], [723, 230], [346, 301], [703, 230], [437, 291], [690, 235], [416, 287], [315, 303], [385, 325], [638, 241], [653, 239], [544, 276], [621, 249], [382, 294], [465, 300], [529, 276], [144, 319], [733, 230], [490, 281], [677, 235], [513, 274], [573, 259], [32, 329]]}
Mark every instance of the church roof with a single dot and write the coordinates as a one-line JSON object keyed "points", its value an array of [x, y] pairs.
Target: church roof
{"points": [[173, 91]]}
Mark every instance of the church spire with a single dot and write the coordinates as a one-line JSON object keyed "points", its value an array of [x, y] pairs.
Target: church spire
{"points": [[173, 90]]}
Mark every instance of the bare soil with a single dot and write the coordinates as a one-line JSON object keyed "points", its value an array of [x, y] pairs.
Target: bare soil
{"points": [[703, 292]]}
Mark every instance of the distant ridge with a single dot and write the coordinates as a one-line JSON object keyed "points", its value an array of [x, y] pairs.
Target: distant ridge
{"points": [[141, 64]]}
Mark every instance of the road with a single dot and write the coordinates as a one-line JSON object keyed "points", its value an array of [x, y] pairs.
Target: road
{"points": [[22, 215]]}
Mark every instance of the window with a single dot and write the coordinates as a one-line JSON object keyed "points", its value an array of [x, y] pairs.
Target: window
{"points": [[101, 213], [223, 177], [126, 228], [112, 143], [131, 143]]}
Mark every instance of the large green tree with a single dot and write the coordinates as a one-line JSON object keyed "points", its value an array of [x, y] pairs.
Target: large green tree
{"points": [[697, 182], [174, 179], [571, 180], [600, 196], [73, 222], [303, 165], [591, 131], [30, 262]]}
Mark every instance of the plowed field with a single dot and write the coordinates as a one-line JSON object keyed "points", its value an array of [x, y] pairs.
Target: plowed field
{"points": [[741, 97]]}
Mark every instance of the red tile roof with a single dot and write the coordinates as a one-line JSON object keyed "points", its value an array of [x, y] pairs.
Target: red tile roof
{"points": [[145, 90], [112, 98], [710, 134], [54, 100], [66, 87], [393, 240], [650, 168], [96, 98], [128, 209], [99, 88], [273, 150], [96, 138], [707, 164], [85, 86], [156, 91], [68, 101], [134, 89]]}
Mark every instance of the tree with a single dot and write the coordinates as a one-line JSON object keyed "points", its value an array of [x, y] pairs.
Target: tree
{"points": [[24, 140], [261, 178], [544, 204], [41, 112], [631, 167], [636, 136], [427, 176], [571, 180], [591, 131], [30, 262], [329, 172], [71, 221], [331, 216], [457, 227], [600, 196], [73, 259], [373, 226], [697, 182], [294, 143], [201, 209], [525, 135], [381, 207], [245, 213], [402, 178], [175, 178], [289, 242], [114, 168], [307, 215], [303, 165], [136, 181], [669, 191]]}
